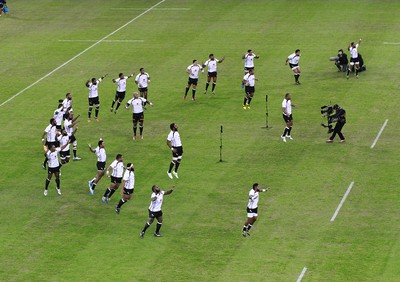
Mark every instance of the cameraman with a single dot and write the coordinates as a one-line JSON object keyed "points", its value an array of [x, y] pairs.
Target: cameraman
{"points": [[341, 61], [340, 117]]}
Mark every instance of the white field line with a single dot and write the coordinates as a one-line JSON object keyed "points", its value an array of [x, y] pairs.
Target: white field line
{"points": [[391, 43], [107, 41], [84, 51], [156, 9], [379, 133], [302, 274], [342, 201]]}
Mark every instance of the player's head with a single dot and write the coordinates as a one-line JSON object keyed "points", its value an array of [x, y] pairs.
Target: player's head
{"points": [[135, 94], [53, 121], [287, 96], [255, 186], [68, 96], [100, 143], [251, 71], [249, 51], [195, 61], [141, 70], [52, 148], [173, 126], [155, 189], [352, 44], [297, 52], [70, 115], [340, 51], [119, 158], [121, 75], [94, 80], [130, 167], [211, 56], [64, 132]]}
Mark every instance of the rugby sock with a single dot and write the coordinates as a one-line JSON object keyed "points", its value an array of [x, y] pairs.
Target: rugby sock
{"points": [[193, 93], [93, 186], [111, 193], [58, 183], [245, 101], [289, 130], [356, 71], [74, 151], [348, 71], [118, 104], [112, 104], [158, 227], [171, 165], [187, 90], [244, 228], [121, 202], [108, 190], [89, 112], [207, 84], [296, 77], [96, 112], [47, 184], [177, 166], [213, 86], [249, 100], [249, 227], [285, 131], [134, 130], [141, 130], [147, 225]]}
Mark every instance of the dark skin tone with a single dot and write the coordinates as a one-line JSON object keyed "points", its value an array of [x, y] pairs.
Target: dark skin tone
{"points": [[157, 190]]}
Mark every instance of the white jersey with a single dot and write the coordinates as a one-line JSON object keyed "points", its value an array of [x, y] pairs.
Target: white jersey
{"points": [[67, 103], [51, 133], [249, 60], [294, 59], [93, 89], [194, 71], [142, 80], [253, 199], [137, 104], [175, 139], [121, 84], [59, 115], [68, 129], [52, 157], [211, 65], [129, 177], [118, 169], [354, 52], [101, 154], [250, 79], [64, 139], [156, 204], [287, 104]]}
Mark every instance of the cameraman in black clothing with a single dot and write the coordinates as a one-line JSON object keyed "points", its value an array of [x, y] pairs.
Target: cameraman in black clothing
{"points": [[341, 61], [340, 117]]}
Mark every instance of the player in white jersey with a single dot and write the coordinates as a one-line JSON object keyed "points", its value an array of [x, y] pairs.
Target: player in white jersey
{"points": [[67, 103], [193, 71], [211, 65], [248, 80], [121, 89], [94, 100], [117, 171], [128, 186], [70, 126], [59, 115], [49, 138], [137, 104], [63, 139], [101, 154], [354, 60], [293, 60], [175, 144], [155, 211], [287, 116], [54, 166], [249, 60], [252, 208], [142, 80]]}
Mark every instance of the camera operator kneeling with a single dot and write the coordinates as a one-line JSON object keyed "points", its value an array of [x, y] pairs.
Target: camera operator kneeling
{"points": [[340, 115]]}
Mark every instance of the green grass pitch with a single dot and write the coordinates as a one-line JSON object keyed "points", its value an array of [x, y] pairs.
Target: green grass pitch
{"points": [[74, 237]]}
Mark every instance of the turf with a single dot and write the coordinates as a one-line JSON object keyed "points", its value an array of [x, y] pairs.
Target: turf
{"points": [[74, 237]]}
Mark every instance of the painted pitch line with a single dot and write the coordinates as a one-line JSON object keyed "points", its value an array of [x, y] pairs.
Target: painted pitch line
{"points": [[302, 274], [156, 9], [379, 133], [84, 51], [391, 43], [107, 41], [342, 201]]}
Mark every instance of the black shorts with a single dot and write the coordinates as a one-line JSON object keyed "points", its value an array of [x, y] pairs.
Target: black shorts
{"points": [[94, 101], [287, 118], [252, 210], [249, 89], [144, 89], [248, 68], [101, 166], [116, 180], [128, 191], [193, 81], [72, 139], [354, 60], [178, 152], [119, 95], [65, 154], [59, 127], [293, 65], [212, 74], [156, 214], [53, 169], [137, 117], [50, 144]]}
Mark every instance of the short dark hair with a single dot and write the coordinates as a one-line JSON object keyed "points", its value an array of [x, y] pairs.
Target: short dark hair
{"points": [[297, 50], [194, 61], [93, 79], [66, 95], [255, 185], [118, 156], [248, 51], [172, 126], [210, 55], [52, 120], [141, 69], [120, 74], [287, 94], [100, 142]]}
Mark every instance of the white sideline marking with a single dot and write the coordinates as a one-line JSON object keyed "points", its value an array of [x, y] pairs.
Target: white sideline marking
{"points": [[342, 201], [107, 41], [379, 133], [302, 274], [156, 9], [391, 43], [84, 51]]}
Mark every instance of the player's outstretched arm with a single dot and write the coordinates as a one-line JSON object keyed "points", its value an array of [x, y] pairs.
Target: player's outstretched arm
{"points": [[169, 191]]}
